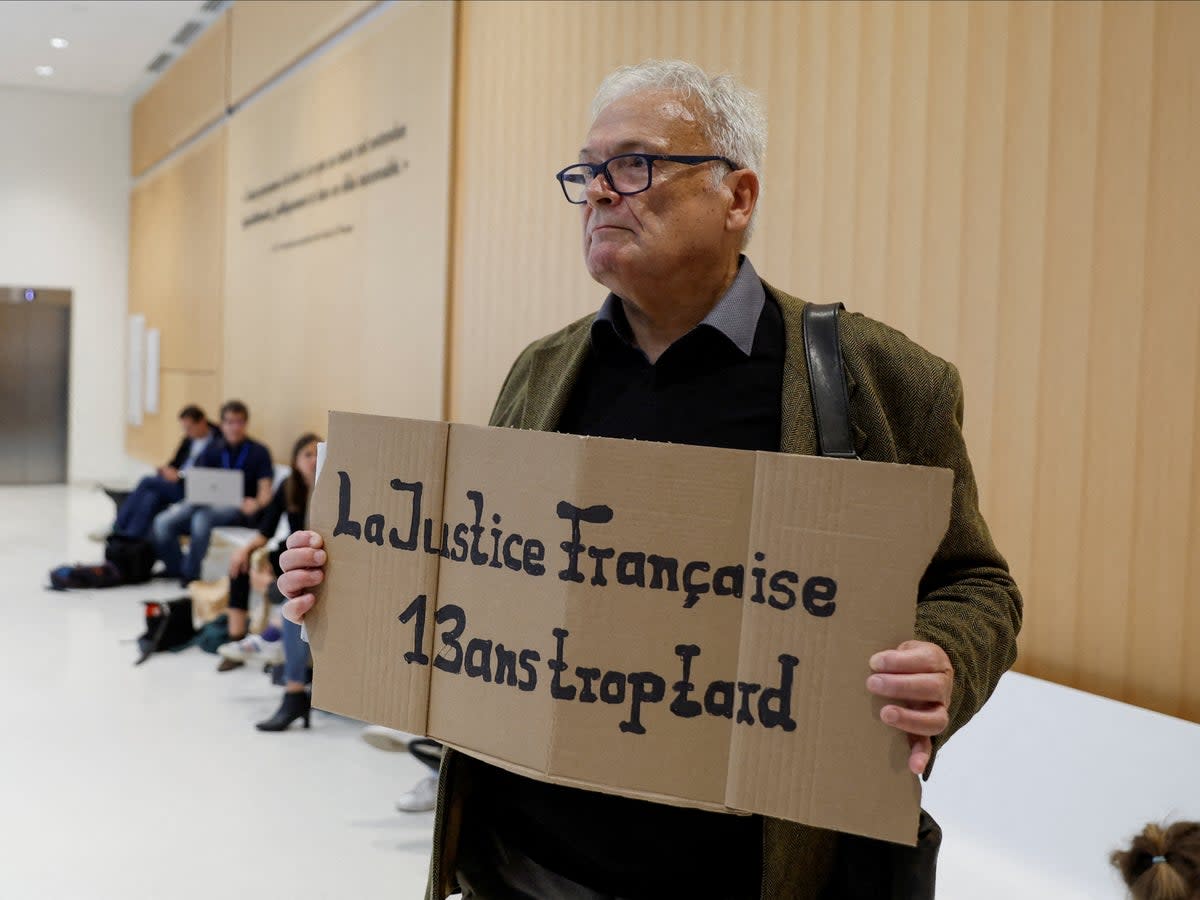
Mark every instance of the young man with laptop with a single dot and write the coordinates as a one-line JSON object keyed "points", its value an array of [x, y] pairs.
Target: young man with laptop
{"points": [[229, 484], [157, 492]]}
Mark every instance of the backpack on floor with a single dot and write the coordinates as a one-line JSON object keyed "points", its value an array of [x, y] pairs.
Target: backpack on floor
{"points": [[133, 557], [80, 576], [168, 627]]}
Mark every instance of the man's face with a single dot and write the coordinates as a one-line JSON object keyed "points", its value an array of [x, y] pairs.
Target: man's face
{"points": [[233, 427], [194, 429], [638, 238]]}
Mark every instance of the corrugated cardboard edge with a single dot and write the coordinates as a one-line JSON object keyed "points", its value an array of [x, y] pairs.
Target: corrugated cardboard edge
{"points": [[539, 775]]}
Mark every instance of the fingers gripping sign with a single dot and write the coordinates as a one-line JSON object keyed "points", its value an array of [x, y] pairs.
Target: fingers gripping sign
{"points": [[303, 564], [919, 678]]}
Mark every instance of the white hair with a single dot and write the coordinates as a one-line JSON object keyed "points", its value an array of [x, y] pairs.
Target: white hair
{"points": [[733, 118]]}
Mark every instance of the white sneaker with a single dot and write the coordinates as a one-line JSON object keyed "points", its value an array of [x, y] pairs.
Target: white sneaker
{"points": [[100, 535], [422, 797], [388, 739], [253, 649]]}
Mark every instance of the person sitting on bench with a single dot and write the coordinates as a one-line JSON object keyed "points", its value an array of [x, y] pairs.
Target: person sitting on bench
{"points": [[156, 492], [234, 451]]}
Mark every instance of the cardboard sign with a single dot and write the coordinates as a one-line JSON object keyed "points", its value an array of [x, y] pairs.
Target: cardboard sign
{"points": [[680, 624]]}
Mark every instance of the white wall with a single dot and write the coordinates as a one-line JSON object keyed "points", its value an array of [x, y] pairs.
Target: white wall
{"points": [[1045, 782], [64, 222]]}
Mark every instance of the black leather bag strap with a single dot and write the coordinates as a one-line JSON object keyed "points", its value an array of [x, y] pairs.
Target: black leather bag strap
{"points": [[827, 380]]}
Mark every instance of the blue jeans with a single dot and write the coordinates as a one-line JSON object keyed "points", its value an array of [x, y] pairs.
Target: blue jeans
{"points": [[295, 654], [152, 495], [198, 521]]}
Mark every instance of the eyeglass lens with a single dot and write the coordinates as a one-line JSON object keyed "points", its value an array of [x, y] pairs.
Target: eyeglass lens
{"points": [[629, 174]]}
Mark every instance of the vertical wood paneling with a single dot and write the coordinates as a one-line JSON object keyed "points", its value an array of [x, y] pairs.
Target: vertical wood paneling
{"points": [[1114, 346], [192, 94], [1169, 370], [1065, 314], [983, 202], [1012, 184], [839, 198], [874, 120], [267, 36], [942, 226], [1017, 337], [1189, 675], [901, 297], [176, 269], [810, 69]]}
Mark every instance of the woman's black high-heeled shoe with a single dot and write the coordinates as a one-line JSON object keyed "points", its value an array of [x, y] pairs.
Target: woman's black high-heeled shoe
{"points": [[294, 706]]}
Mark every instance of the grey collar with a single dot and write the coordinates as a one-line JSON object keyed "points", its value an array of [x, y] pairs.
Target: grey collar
{"points": [[736, 314]]}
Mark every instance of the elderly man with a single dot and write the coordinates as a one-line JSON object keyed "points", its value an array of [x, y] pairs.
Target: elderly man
{"points": [[691, 346]]}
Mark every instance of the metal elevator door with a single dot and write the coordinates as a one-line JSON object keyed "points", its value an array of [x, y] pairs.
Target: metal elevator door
{"points": [[35, 345]]}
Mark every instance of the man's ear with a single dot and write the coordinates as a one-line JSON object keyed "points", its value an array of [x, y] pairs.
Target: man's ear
{"points": [[743, 184]]}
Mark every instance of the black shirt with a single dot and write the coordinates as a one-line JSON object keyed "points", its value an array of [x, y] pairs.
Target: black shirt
{"points": [[704, 389], [250, 456]]}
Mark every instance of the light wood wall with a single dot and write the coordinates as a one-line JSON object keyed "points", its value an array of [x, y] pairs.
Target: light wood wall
{"points": [[1014, 185], [191, 95], [267, 36], [176, 280], [341, 303]]}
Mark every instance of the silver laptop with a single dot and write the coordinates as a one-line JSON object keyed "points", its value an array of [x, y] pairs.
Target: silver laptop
{"points": [[213, 487]]}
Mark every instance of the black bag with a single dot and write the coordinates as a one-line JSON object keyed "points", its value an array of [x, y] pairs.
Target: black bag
{"points": [[863, 867], [98, 575], [133, 557], [168, 627]]}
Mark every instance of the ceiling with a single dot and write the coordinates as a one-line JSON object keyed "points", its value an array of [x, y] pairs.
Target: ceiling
{"points": [[111, 42]]}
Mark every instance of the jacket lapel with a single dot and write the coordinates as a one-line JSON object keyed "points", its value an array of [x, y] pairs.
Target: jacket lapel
{"points": [[797, 433], [552, 375]]}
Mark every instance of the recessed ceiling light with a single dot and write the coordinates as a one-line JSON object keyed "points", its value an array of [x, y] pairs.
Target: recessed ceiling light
{"points": [[45, 71], [59, 43]]}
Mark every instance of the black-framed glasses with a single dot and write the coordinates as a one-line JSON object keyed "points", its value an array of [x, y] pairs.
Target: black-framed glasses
{"points": [[629, 173]]}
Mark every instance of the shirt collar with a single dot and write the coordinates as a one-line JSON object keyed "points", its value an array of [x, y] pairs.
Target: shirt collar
{"points": [[735, 315]]}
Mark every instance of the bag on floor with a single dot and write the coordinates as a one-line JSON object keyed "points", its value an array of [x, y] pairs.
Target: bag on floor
{"points": [[209, 600], [213, 634], [79, 576], [133, 557], [168, 627]]}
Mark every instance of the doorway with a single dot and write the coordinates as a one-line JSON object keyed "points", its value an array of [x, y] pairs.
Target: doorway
{"points": [[35, 359]]}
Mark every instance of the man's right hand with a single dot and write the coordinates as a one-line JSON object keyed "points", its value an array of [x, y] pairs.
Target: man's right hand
{"points": [[303, 564], [169, 473]]}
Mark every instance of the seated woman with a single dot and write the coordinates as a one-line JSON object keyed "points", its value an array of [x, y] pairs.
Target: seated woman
{"points": [[291, 500]]}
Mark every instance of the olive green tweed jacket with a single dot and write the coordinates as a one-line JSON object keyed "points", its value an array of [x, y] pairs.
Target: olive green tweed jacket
{"points": [[906, 406]]}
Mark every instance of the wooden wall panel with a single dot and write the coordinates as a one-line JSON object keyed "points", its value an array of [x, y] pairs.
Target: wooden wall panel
{"points": [[1065, 313], [155, 441], [1012, 184], [176, 268], [337, 223], [267, 36], [1166, 426], [1113, 347], [176, 279], [192, 94]]}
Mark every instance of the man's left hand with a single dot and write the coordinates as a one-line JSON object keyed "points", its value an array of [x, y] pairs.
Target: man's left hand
{"points": [[919, 677]]}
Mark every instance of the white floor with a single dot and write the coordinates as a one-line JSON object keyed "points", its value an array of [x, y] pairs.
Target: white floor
{"points": [[151, 782]]}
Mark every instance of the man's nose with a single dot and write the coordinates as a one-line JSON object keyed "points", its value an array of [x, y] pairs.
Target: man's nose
{"points": [[600, 192]]}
